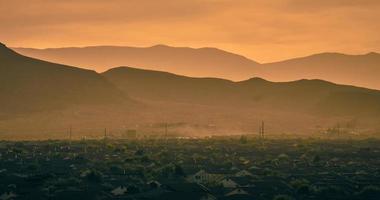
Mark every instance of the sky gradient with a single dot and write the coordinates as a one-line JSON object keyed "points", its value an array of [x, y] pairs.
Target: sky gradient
{"points": [[266, 30]]}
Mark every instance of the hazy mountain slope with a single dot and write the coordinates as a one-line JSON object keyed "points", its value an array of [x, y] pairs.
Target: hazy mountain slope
{"points": [[27, 84], [202, 62], [358, 70], [312, 96]]}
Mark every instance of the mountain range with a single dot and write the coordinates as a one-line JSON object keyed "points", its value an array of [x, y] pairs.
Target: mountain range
{"points": [[202, 62], [44, 97], [357, 70]]}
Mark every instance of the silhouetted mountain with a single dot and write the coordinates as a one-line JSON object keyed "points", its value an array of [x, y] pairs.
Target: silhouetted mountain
{"points": [[358, 70], [52, 97], [202, 62], [311, 96], [168, 87], [27, 84]]}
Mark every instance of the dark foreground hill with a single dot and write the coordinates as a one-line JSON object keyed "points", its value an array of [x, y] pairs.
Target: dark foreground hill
{"points": [[31, 85], [307, 96], [298, 106]]}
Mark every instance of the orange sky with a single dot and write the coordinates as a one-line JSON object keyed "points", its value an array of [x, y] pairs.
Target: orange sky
{"points": [[264, 30]]}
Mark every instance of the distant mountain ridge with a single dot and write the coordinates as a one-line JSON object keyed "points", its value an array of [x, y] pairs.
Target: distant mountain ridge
{"points": [[200, 62], [358, 70]]}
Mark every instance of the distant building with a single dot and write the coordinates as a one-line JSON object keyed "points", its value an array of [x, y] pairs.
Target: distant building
{"points": [[243, 173], [121, 190], [204, 177], [237, 192], [229, 183], [130, 134]]}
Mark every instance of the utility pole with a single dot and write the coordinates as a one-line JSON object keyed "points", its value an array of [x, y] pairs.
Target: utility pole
{"points": [[85, 145], [70, 137], [166, 130], [71, 131], [262, 130], [105, 138], [166, 133]]}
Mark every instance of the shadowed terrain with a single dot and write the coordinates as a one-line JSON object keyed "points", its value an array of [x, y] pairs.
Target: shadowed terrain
{"points": [[310, 96], [28, 84]]}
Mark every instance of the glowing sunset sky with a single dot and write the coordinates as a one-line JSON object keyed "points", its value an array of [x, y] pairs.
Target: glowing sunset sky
{"points": [[265, 30]]}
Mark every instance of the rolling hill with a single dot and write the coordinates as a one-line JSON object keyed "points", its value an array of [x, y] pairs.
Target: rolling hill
{"points": [[307, 96]]}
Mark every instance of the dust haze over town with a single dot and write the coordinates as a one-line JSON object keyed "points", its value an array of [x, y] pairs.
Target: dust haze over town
{"points": [[216, 67], [190, 99]]}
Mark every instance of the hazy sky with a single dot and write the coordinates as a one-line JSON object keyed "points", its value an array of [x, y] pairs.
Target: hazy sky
{"points": [[264, 30]]}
